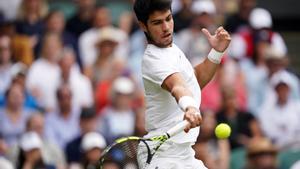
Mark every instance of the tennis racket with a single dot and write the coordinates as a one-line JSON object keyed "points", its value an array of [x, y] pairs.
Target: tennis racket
{"points": [[126, 148]]}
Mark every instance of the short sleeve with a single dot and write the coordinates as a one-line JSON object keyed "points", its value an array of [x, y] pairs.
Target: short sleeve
{"points": [[158, 66]]}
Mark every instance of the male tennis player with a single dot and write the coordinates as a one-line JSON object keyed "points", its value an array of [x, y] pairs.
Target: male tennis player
{"points": [[172, 85]]}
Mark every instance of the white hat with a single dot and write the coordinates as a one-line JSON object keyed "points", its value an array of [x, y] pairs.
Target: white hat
{"points": [[93, 140], [260, 18], [203, 6], [282, 76], [123, 85], [109, 34], [274, 53], [30, 141]]}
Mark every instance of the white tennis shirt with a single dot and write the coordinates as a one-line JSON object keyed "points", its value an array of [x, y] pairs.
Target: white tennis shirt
{"points": [[162, 110]]}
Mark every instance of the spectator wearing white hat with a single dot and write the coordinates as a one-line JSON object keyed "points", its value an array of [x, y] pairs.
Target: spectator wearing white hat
{"points": [[92, 146], [281, 114], [88, 39], [30, 156], [118, 119], [191, 40]]}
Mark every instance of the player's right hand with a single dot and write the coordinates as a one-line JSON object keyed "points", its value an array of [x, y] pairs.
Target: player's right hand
{"points": [[193, 116]]}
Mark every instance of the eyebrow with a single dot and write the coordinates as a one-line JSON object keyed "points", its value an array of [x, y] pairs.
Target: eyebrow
{"points": [[157, 20]]}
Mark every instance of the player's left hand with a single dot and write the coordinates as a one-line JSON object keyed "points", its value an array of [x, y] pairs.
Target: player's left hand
{"points": [[220, 40]]}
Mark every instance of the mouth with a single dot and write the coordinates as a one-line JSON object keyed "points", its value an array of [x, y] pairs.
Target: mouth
{"points": [[167, 35]]}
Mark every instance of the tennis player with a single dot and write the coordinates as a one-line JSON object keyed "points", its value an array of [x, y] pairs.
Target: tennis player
{"points": [[172, 85]]}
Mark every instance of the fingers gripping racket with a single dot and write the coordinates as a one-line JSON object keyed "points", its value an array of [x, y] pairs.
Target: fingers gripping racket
{"points": [[128, 147]]}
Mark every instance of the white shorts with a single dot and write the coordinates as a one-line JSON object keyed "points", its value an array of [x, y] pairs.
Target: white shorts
{"points": [[171, 156]]}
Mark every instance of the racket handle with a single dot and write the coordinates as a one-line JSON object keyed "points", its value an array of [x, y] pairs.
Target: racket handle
{"points": [[177, 129]]}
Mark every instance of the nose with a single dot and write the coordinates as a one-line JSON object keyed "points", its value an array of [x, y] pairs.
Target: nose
{"points": [[165, 26]]}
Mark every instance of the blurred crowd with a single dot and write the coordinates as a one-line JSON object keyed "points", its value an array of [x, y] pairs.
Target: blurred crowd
{"points": [[69, 86]]}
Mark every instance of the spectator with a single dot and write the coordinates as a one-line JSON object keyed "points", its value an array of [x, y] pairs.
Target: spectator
{"points": [[106, 45], [89, 38], [45, 70], [88, 123], [118, 119], [183, 17], [80, 85], [19, 72], [92, 146], [191, 40], [66, 118], [243, 124], [51, 154], [82, 20], [55, 23], [14, 115], [261, 154], [5, 63], [116, 69], [239, 19], [30, 155], [282, 114], [213, 152], [30, 19]]}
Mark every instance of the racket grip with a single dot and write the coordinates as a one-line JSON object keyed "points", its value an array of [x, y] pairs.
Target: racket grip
{"points": [[177, 129]]}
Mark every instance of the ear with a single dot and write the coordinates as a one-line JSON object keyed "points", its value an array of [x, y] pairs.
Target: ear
{"points": [[142, 26]]}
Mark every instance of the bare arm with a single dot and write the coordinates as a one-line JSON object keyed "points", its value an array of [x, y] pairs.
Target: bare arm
{"points": [[219, 42], [175, 84]]}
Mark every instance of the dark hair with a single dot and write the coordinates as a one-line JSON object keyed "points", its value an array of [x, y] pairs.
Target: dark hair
{"points": [[143, 8]]}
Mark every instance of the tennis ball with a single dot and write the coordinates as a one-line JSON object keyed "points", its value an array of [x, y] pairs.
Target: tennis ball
{"points": [[222, 131]]}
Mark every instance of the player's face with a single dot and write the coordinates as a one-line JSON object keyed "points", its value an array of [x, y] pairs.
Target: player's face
{"points": [[160, 28]]}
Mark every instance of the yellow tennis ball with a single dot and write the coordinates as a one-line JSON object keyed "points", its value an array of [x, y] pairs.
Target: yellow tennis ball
{"points": [[222, 131]]}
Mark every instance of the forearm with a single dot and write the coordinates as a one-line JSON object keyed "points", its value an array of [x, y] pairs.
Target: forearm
{"points": [[205, 72]]}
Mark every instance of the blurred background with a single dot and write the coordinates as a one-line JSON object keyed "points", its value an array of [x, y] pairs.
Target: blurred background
{"points": [[70, 81]]}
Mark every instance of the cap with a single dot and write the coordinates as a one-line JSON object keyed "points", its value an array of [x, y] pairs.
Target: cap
{"points": [[272, 52], [123, 85], [203, 6], [88, 113], [282, 76], [93, 140], [19, 69], [30, 141], [109, 34], [260, 18], [260, 145]]}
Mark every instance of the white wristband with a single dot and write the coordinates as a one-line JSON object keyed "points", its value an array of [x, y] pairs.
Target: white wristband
{"points": [[187, 101], [215, 56]]}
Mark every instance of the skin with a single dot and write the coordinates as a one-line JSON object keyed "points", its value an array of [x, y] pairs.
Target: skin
{"points": [[159, 28]]}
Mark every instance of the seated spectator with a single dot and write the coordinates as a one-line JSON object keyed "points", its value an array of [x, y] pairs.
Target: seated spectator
{"points": [[82, 20], [80, 85], [88, 41], [92, 146], [213, 152], [118, 118], [30, 19], [30, 155], [51, 153], [55, 23], [183, 17], [88, 123], [63, 126], [261, 154], [45, 70], [243, 124], [14, 115], [19, 73], [281, 114], [191, 40], [239, 19]]}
